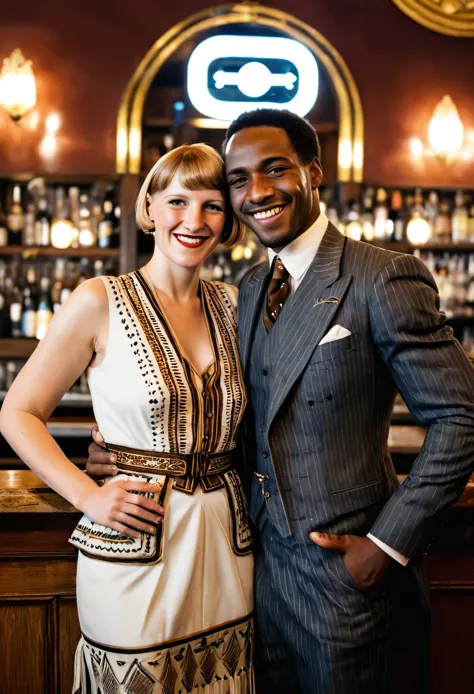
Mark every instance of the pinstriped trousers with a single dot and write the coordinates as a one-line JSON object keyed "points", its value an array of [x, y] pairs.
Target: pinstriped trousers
{"points": [[317, 633]]}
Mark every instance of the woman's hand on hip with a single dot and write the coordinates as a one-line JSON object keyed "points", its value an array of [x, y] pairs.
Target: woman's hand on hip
{"points": [[122, 506]]}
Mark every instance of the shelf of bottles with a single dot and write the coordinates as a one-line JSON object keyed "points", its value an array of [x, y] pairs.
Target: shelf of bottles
{"points": [[436, 225], [52, 237]]}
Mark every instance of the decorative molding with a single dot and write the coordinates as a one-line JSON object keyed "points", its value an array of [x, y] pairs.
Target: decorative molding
{"points": [[451, 17], [351, 117]]}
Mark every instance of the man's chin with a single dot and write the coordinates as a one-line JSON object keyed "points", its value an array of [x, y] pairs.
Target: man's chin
{"points": [[275, 239]]}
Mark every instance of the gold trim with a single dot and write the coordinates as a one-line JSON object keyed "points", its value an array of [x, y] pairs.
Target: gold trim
{"points": [[351, 117], [454, 18]]}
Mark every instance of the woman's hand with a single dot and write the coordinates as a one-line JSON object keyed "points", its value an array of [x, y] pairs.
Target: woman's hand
{"points": [[121, 506]]}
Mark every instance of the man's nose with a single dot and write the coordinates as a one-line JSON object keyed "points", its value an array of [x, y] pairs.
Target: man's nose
{"points": [[260, 189]]}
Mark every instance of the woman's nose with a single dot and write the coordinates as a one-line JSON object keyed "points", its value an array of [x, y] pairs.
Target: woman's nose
{"points": [[194, 219]]}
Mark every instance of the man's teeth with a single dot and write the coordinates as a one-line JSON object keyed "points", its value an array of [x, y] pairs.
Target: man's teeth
{"points": [[189, 239], [268, 213]]}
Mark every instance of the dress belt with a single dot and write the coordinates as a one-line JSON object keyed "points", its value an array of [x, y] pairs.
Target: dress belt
{"points": [[188, 469]]}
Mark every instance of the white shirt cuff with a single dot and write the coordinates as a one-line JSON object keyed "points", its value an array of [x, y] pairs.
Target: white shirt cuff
{"points": [[389, 550]]}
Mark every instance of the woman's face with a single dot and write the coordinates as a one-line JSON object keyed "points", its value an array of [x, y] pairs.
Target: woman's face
{"points": [[188, 223]]}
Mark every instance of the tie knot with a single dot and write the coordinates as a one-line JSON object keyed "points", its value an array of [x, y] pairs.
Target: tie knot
{"points": [[280, 273]]}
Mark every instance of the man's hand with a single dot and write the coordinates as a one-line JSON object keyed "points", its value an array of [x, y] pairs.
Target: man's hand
{"points": [[364, 560], [100, 462]]}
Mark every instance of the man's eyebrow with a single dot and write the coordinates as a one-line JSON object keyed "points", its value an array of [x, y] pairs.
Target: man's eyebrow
{"points": [[261, 165]]}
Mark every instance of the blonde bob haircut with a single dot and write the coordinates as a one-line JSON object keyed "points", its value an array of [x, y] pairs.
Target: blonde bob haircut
{"points": [[199, 167]]}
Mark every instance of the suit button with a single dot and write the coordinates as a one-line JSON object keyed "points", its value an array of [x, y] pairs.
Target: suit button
{"points": [[265, 454], [266, 495], [209, 414], [265, 372], [311, 403]]}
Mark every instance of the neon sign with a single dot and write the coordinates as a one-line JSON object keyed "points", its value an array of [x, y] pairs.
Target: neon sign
{"points": [[231, 74]]}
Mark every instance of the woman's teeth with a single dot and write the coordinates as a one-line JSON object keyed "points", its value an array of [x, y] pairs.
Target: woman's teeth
{"points": [[268, 213], [192, 240]]}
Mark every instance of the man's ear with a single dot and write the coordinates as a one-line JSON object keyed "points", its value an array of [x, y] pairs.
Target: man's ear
{"points": [[316, 173]]}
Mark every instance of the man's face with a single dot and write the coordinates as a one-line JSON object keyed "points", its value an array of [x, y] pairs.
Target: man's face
{"points": [[271, 191]]}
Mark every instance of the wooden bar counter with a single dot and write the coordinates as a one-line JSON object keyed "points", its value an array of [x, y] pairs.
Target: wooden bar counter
{"points": [[38, 622]]}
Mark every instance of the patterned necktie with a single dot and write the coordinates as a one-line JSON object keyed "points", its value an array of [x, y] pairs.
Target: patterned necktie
{"points": [[277, 292]]}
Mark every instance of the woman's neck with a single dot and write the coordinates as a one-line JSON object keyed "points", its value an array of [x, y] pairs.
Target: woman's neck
{"points": [[178, 283]]}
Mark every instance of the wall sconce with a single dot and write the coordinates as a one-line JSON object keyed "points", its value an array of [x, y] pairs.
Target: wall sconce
{"points": [[17, 85], [445, 135]]}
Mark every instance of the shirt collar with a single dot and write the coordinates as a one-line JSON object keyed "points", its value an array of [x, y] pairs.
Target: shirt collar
{"points": [[300, 253]]}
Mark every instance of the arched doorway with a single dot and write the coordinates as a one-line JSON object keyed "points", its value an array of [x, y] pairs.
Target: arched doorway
{"points": [[350, 145]]}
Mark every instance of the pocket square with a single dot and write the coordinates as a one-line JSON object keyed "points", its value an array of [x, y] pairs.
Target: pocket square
{"points": [[337, 332]]}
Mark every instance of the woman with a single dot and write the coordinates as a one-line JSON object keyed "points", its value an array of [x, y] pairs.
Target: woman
{"points": [[164, 579]]}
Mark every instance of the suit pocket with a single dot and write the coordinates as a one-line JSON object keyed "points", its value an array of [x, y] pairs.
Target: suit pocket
{"points": [[106, 544], [332, 351]]}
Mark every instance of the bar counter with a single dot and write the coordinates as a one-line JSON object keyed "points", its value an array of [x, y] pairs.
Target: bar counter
{"points": [[38, 622]]}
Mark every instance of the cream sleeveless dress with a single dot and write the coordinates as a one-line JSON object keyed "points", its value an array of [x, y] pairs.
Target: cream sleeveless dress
{"points": [[170, 613]]}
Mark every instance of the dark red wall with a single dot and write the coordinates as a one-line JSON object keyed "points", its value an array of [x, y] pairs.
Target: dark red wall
{"points": [[84, 54]]}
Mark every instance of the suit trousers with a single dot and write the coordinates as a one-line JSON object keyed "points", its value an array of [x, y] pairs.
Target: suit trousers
{"points": [[317, 633]]}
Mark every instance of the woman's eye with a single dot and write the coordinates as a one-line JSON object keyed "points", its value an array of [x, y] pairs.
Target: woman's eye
{"points": [[215, 208], [177, 202]]}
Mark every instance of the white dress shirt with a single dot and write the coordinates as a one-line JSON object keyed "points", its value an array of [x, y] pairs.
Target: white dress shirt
{"points": [[297, 258]]}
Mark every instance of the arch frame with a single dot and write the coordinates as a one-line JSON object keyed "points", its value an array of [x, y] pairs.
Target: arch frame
{"points": [[351, 117]]}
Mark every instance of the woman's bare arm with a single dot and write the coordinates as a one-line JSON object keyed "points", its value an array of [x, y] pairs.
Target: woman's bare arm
{"points": [[72, 340]]}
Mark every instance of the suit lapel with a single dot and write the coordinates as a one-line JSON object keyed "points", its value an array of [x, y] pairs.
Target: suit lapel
{"points": [[250, 302], [307, 316]]}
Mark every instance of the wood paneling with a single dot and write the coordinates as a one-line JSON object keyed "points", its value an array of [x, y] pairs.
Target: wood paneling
{"points": [[69, 634]]}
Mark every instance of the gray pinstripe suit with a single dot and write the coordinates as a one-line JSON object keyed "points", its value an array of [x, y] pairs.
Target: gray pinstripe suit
{"points": [[317, 426]]}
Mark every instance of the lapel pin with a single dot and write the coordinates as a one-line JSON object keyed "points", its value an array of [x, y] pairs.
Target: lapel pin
{"points": [[330, 300]]}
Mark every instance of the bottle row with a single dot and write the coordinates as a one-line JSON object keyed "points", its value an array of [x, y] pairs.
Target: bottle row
{"points": [[30, 293], [417, 216], [41, 215], [9, 369], [454, 275]]}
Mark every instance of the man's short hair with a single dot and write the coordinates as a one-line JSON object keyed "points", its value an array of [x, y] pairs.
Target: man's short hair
{"points": [[301, 133]]}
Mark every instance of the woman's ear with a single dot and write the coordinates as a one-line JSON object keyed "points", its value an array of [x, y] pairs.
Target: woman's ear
{"points": [[148, 203]]}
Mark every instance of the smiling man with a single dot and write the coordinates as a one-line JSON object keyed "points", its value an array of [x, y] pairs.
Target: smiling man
{"points": [[326, 332]]}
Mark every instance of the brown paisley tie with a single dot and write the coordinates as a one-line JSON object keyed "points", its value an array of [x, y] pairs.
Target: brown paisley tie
{"points": [[277, 293]]}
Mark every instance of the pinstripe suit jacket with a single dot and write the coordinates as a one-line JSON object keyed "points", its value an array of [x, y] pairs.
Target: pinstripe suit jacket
{"points": [[330, 405]]}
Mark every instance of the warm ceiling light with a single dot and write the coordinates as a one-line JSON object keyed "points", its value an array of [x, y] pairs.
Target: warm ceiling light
{"points": [[17, 85], [446, 131]]}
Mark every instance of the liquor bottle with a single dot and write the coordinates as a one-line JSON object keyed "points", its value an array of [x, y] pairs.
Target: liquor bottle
{"points": [[397, 216], [3, 228], [29, 312], [29, 227], [116, 235], [74, 214], [15, 312], [432, 210], [353, 225], [5, 323], [86, 237], [63, 231], [442, 227], [418, 229], [106, 226], [381, 215], [58, 284], [45, 308], [470, 288], [16, 218], [367, 217], [470, 225], [43, 224], [460, 219]]}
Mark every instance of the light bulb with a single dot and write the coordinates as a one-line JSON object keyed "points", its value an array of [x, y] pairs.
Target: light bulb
{"points": [[418, 231], [446, 131]]}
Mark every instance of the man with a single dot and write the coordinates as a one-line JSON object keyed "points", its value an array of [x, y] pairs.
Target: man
{"points": [[326, 335]]}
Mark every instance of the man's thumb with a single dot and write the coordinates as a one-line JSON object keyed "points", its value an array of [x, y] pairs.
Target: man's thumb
{"points": [[335, 542]]}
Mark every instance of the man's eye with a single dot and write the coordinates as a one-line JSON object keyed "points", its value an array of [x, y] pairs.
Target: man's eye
{"points": [[277, 169], [237, 181]]}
